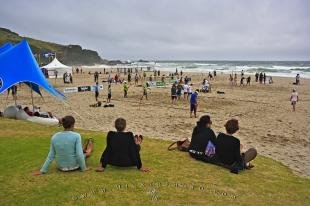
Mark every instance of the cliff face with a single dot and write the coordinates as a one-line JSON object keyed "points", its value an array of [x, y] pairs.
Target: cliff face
{"points": [[70, 54]]}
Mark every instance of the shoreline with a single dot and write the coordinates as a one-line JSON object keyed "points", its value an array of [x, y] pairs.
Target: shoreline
{"points": [[199, 70]]}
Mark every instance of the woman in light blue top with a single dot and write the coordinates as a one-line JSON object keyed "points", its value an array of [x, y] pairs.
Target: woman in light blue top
{"points": [[66, 149]]}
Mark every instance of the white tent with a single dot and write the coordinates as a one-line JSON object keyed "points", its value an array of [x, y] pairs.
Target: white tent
{"points": [[56, 65]]}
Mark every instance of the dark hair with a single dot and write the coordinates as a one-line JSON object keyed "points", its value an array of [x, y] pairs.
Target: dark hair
{"points": [[67, 122], [205, 119], [120, 124], [232, 126], [26, 109]]}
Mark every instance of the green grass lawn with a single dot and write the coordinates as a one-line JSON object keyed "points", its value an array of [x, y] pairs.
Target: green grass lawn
{"points": [[175, 178]]}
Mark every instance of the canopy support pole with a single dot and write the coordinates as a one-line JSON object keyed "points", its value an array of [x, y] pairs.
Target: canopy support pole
{"points": [[32, 97]]}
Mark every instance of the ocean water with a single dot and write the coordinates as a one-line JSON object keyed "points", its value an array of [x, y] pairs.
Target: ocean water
{"points": [[271, 68]]}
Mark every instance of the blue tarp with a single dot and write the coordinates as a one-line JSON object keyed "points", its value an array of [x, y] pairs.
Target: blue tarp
{"points": [[17, 64]]}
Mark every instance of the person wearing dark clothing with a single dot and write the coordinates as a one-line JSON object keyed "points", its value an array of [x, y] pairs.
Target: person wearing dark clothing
{"points": [[71, 79], [260, 77], [96, 76], [228, 149], [248, 80], [173, 93], [194, 104], [122, 150], [256, 77], [129, 77], [202, 136], [186, 80], [97, 87], [241, 81]]}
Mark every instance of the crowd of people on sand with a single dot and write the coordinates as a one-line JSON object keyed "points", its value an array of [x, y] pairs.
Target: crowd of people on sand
{"points": [[123, 147], [244, 81]]}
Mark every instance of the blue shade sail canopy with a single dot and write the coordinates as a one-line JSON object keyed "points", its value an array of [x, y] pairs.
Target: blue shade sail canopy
{"points": [[6, 47], [34, 87], [17, 64]]}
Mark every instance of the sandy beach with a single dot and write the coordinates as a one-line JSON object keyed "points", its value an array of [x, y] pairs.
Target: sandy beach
{"points": [[264, 113]]}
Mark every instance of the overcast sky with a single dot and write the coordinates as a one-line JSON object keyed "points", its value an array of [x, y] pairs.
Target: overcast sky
{"points": [[168, 29]]}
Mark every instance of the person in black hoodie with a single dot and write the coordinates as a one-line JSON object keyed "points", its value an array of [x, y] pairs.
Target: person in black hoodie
{"points": [[122, 149], [228, 149], [202, 137]]}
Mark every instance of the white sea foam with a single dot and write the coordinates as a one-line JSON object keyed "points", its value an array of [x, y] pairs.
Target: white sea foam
{"points": [[285, 69]]}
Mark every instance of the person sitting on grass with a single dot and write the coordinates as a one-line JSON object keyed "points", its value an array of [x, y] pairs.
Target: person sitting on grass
{"points": [[202, 146], [229, 150], [122, 149], [66, 149]]}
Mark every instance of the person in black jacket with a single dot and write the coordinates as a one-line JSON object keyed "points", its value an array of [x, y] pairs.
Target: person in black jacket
{"points": [[122, 149], [202, 137], [228, 149]]}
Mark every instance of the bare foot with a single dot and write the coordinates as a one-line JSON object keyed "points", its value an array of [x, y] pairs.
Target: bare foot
{"points": [[144, 169], [100, 169]]}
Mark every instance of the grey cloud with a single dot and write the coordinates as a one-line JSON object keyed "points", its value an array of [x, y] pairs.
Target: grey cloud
{"points": [[169, 29]]}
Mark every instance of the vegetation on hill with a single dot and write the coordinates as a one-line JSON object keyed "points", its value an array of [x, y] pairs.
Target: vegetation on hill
{"points": [[70, 54], [175, 178]]}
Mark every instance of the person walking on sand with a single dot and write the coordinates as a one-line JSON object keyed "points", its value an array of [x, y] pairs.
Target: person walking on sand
{"points": [[231, 79], [145, 88], [189, 91], [126, 87], [256, 77], [294, 99], [185, 89], [96, 91], [297, 82], [109, 94], [194, 104], [173, 94], [241, 81], [96, 76], [235, 80], [136, 79], [248, 80]]}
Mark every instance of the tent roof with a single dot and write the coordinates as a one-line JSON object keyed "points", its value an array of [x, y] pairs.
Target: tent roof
{"points": [[18, 64], [55, 64]]}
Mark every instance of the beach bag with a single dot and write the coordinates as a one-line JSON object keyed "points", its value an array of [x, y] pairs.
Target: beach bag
{"points": [[181, 145]]}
